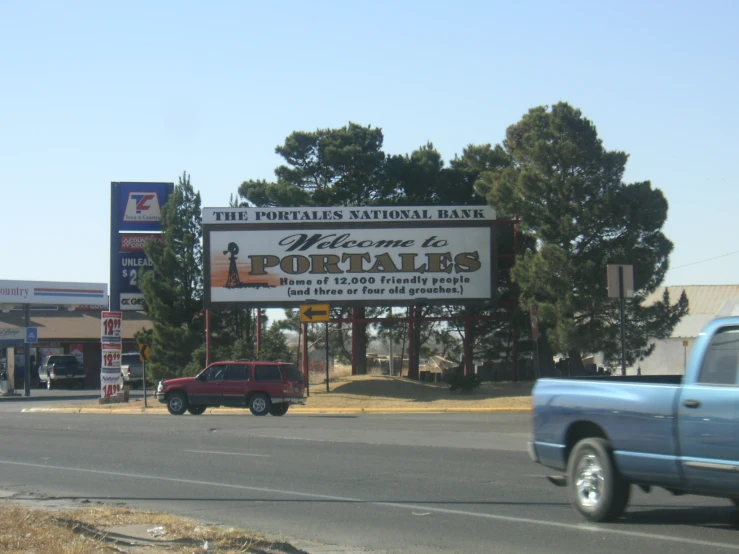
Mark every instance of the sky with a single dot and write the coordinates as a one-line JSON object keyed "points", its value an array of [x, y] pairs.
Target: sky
{"points": [[94, 92]]}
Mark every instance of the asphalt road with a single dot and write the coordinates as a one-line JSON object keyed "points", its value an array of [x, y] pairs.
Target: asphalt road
{"points": [[370, 483]]}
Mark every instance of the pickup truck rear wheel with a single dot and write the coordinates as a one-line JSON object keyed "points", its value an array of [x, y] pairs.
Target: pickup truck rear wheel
{"points": [[260, 404], [597, 489], [177, 403]]}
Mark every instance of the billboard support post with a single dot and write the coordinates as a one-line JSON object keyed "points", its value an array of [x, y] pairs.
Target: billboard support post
{"points": [[355, 342], [412, 359], [306, 366], [327, 362], [467, 343], [208, 333], [259, 331]]}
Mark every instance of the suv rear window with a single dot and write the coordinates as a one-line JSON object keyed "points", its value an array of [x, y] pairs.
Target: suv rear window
{"points": [[293, 373], [263, 372]]}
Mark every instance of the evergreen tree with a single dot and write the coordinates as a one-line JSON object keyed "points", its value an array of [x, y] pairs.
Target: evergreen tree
{"points": [[173, 292], [580, 215]]}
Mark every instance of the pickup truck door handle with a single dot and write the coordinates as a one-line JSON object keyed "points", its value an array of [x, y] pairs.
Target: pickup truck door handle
{"points": [[692, 404]]}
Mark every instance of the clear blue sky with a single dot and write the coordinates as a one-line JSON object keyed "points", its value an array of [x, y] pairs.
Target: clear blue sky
{"points": [[94, 92]]}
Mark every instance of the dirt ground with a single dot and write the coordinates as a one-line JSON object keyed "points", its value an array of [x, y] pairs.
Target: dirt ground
{"points": [[64, 529]]}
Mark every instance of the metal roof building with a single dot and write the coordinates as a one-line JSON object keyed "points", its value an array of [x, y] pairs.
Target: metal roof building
{"points": [[706, 302]]}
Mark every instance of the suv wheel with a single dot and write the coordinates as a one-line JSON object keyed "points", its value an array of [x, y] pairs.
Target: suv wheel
{"points": [[279, 409], [177, 403], [260, 404]]}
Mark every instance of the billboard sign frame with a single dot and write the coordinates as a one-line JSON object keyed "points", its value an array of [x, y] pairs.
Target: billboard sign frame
{"points": [[456, 243]]}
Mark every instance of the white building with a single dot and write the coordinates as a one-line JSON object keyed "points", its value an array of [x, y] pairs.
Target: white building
{"points": [[707, 302]]}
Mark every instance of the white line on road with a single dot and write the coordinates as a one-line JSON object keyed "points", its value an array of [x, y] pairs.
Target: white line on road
{"points": [[229, 453], [587, 528]]}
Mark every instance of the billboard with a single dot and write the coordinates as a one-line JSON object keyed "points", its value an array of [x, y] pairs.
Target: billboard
{"points": [[348, 256], [52, 293]]}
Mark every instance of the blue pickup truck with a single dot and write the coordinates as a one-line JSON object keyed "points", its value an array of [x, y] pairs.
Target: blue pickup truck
{"points": [[678, 432]]}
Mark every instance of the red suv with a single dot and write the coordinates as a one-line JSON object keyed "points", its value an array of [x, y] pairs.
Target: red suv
{"points": [[263, 387]]}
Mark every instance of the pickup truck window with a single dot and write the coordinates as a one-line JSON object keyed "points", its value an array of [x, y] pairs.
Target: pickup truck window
{"points": [[721, 361], [61, 360]]}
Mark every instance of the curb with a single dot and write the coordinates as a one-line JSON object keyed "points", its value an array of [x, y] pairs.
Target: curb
{"points": [[307, 411]]}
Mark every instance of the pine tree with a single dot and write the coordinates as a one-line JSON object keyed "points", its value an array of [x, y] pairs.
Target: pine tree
{"points": [[173, 292]]}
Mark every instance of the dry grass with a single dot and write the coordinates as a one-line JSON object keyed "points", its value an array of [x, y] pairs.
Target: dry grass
{"points": [[103, 530], [371, 391]]}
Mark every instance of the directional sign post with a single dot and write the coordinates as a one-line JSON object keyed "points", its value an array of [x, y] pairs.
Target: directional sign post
{"points": [[313, 313]]}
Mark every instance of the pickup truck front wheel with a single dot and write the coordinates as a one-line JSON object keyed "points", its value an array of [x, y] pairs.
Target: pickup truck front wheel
{"points": [[596, 488]]}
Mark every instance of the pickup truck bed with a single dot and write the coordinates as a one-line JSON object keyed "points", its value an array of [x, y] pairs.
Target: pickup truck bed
{"points": [[574, 409]]}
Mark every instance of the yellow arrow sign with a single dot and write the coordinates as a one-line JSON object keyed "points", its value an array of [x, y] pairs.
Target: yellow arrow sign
{"points": [[310, 313], [144, 352]]}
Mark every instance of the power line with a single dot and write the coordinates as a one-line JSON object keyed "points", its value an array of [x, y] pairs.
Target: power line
{"points": [[707, 260]]}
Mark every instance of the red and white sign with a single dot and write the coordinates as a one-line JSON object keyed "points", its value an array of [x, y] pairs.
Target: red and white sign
{"points": [[534, 323], [110, 369], [135, 242], [110, 385], [111, 327], [111, 358]]}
